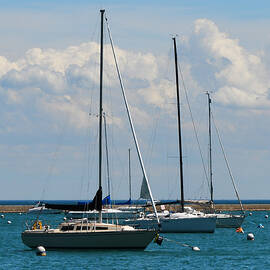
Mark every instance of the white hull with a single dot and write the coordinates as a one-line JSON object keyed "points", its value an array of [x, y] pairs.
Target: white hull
{"points": [[229, 221], [106, 214], [177, 225], [43, 210]]}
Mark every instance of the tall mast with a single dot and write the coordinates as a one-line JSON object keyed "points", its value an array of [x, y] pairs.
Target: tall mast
{"points": [[100, 107], [179, 126], [210, 149], [129, 174]]}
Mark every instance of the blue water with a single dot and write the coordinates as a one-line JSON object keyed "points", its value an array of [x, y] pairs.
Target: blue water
{"points": [[224, 249]]}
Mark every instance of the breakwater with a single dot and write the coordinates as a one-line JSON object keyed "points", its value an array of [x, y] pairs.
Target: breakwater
{"points": [[175, 208]]}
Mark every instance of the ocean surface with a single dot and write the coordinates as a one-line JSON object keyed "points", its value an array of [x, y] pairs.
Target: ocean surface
{"points": [[224, 249]]}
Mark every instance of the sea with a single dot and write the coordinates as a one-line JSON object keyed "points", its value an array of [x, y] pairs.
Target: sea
{"points": [[223, 249]]}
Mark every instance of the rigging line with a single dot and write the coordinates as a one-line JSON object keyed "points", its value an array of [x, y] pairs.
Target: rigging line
{"points": [[193, 124], [153, 139], [227, 164], [131, 124]]}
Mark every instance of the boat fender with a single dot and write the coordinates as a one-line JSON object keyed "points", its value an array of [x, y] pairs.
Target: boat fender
{"points": [[158, 239], [250, 236], [40, 251]]}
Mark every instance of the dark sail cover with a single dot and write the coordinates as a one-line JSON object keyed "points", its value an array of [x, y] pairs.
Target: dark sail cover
{"points": [[96, 204], [124, 203]]}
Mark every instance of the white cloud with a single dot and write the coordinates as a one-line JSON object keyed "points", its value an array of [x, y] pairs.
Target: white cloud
{"points": [[242, 76]]}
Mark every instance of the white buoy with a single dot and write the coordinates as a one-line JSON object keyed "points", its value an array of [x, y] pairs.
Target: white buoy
{"points": [[266, 216], [9, 222], [2, 216], [250, 214], [20, 213], [195, 248], [250, 236], [40, 251], [64, 218]]}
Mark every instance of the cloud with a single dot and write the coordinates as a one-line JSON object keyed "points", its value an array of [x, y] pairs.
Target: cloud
{"points": [[60, 85], [242, 77]]}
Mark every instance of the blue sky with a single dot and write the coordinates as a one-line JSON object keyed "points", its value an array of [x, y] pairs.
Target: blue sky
{"points": [[49, 84]]}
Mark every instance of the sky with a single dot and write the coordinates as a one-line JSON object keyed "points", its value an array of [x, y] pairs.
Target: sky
{"points": [[49, 83]]}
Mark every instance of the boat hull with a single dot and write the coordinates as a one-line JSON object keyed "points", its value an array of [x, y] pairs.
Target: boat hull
{"points": [[137, 239], [93, 215], [229, 221], [177, 225]]}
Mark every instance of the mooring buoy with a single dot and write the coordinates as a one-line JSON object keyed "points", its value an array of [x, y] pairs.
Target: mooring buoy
{"points": [[40, 251], [250, 236]]}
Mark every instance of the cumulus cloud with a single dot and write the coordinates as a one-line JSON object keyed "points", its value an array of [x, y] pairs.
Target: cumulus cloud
{"points": [[241, 76], [61, 84]]}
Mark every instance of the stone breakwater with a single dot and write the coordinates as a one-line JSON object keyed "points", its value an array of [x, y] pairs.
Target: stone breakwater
{"points": [[175, 208], [14, 208]]}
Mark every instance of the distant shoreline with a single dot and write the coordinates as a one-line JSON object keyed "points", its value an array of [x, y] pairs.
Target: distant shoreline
{"points": [[218, 207]]}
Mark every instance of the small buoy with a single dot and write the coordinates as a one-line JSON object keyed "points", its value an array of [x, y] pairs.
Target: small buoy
{"points": [[250, 214], [40, 251], [9, 222], [266, 216], [20, 213], [2, 216], [250, 236], [260, 226], [239, 230], [195, 248], [64, 218]]}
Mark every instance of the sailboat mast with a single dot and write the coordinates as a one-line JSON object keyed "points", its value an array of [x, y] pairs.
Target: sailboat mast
{"points": [[100, 107], [129, 174], [179, 126], [210, 149]]}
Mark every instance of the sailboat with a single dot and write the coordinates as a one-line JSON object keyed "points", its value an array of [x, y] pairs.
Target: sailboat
{"points": [[84, 233], [184, 221], [223, 220]]}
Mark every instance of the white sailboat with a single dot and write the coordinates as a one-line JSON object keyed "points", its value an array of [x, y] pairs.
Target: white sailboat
{"points": [[84, 233], [40, 208], [224, 220], [184, 221]]}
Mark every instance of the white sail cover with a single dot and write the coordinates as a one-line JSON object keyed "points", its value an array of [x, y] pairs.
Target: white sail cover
{"points": [[144, 190]]}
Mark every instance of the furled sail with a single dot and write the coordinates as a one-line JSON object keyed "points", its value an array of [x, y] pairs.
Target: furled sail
{"points": [[144, 190], [96, 204]]}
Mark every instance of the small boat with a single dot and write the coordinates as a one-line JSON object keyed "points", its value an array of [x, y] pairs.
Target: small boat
{"points": [[40, 208], [107, 213], [84, 233], [224, 220]]}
